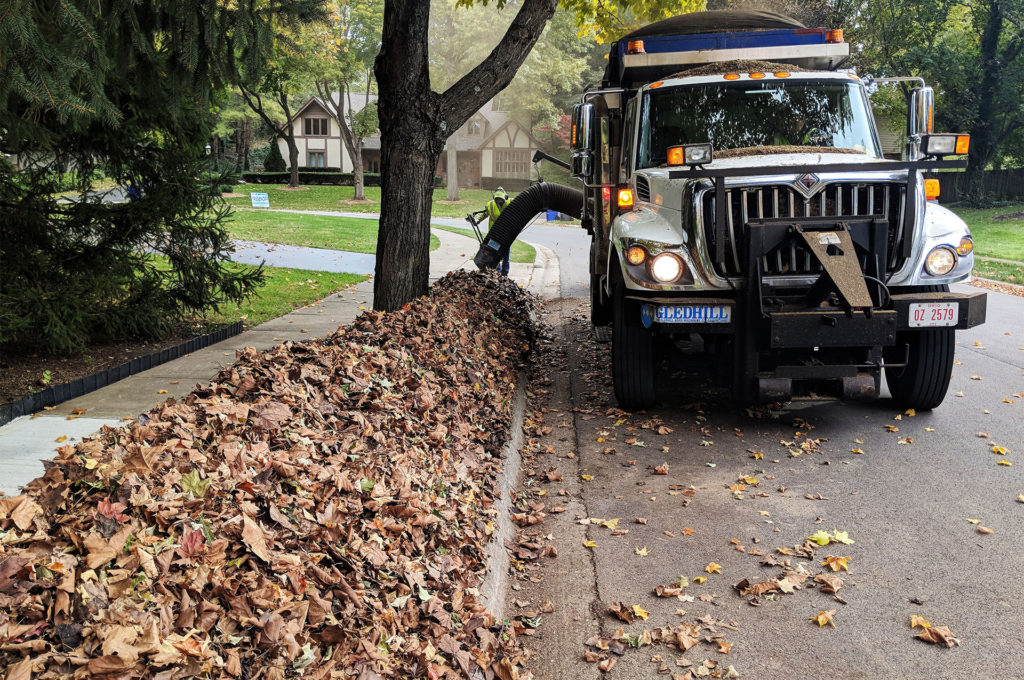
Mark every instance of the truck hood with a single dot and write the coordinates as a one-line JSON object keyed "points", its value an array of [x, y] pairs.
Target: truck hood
{"points": [[668, 193]]}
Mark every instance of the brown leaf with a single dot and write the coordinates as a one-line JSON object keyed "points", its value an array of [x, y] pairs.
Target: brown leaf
{"points": [[253, 537], [938, 635]]}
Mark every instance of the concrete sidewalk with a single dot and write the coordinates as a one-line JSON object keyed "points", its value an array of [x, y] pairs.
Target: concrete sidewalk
{"points": [[27, 441]]}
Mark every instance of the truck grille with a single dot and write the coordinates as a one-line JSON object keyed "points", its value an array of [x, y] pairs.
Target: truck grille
{"points": [[846, 199]]}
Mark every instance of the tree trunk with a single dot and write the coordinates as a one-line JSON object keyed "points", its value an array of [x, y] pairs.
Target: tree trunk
{"points": [[357, 171], [983, 132], [403, 239], [293, 161], [453, 170], [414, 124]]}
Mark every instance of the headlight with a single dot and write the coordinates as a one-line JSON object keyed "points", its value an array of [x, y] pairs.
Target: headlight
{"points": [[966, 246], [940, 261], [666, 267]]}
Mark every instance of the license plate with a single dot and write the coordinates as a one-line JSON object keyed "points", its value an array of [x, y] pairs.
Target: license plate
{"points": [[694, 314], [934, 314]]}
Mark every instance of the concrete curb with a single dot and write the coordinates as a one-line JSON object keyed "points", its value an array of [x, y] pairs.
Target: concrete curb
{"points": [[494, 589]]}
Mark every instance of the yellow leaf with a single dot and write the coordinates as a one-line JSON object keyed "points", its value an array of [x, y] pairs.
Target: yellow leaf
{"points": [[892, 428], [929, 429], [589, 544], [586, 478], [62, 438], [91, 463], [610, 523], [642, 552], [748, 479], [856, 451], [713, 568], [820, 537], [916, 621], [641, 612], [910, 412], [161, 391], [999, 450], [699, 579], [737, 487], [858, 441], [836, 563], [824, 617], [758, 456], [1004, 462], [974, 521]]}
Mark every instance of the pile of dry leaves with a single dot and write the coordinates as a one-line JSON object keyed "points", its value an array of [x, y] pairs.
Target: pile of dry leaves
{"points": [[321, 509]]}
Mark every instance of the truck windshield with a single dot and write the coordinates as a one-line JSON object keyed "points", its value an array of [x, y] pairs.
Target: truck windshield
{"points": [[817, 113]]}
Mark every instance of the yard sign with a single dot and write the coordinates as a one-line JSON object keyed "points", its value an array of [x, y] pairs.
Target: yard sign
{"points": [[259, 199]]}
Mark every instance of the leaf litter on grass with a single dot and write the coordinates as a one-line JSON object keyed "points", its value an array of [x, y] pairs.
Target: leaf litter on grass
{"points": [[321, 508]]}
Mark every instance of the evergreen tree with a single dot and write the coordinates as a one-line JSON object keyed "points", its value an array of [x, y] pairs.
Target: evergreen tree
{"points": [[274, 161], [125, 87]]}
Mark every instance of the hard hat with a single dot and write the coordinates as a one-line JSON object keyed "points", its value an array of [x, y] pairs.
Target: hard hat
{"points": [[499, 193]]}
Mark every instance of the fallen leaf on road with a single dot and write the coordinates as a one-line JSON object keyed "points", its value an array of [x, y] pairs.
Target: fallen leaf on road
{"points": [[975, 377], [1020, 498], [640, 520], [699, 580], [916, 621], [1005, 462], [999, 450], [62, 438], [621, 612], [689, 532], [892, 428], [824, 617], [974, 521], [858, 451], [589, 544], [830, 583], [641, 612], [938, 635], [713, 568], [607, 664], [984, 530], [984, 435], [642, 552], [661, 469], [836, 563]]}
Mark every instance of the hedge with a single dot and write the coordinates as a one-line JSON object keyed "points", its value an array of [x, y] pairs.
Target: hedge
{"points": [[311, 177]]}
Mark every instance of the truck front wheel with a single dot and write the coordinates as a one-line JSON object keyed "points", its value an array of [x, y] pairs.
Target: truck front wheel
{"points": [[632, 354], [922, 383]]}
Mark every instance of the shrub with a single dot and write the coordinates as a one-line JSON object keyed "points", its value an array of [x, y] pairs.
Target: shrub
{"points": [[274, 161]]}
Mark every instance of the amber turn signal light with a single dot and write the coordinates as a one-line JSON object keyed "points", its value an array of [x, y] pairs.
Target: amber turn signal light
{"points": [[676, 155], [625, 198], [636, 255], [963, 144], [931, 189]]}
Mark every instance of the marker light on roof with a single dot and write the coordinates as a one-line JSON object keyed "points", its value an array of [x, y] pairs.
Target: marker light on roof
{"points": [[781, 74], [732, 76], [635, 47], [834, 36], [657, 84], [757, 76]]}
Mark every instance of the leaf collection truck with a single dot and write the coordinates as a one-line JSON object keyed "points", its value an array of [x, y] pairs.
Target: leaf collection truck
{"points": [[740, 204]]}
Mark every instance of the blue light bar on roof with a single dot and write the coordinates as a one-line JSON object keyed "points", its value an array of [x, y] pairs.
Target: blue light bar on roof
{"points": [[729, 41]]}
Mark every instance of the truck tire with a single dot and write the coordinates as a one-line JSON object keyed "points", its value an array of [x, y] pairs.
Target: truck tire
{"points": [[632, 355], [600, 307], [922, 383]]}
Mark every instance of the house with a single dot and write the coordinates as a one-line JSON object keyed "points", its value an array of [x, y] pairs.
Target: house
{"points": [[491, 147]]}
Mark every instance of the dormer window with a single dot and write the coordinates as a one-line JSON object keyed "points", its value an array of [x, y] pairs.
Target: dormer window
{"points": [[316, 127], [475, 127]]}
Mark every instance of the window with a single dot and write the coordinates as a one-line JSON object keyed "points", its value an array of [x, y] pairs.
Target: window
{"points": [[512, 163], [474, 127], [316, 159], [371, 165], [316, 127]]}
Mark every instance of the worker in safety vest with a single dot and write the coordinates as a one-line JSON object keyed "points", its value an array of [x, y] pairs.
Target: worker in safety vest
{"points": [[499, 199]]}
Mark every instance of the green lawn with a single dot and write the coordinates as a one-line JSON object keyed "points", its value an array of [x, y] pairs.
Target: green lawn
{"points": [[318, 197], [996, 238], [353, 234], [521, 252], [285, 290], [999, 271]]}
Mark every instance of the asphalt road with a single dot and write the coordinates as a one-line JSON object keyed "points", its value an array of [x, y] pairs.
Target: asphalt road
{"points": [[905, 501]]}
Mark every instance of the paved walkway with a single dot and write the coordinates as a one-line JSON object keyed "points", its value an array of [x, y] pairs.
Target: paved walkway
{"points": [[27, 441], [300, 257]]}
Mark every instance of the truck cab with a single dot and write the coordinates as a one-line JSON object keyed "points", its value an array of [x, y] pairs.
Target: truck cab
{"points": [[735, 190]]}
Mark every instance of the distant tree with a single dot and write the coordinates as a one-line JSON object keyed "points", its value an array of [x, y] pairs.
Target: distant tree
{"points": [[972, 52], [274, 92], [91, 88], [340, 55]]}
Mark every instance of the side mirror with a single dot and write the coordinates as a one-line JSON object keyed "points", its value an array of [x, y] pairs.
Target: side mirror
{"points": [[582, 141], [921, 112], [582, 133]]}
